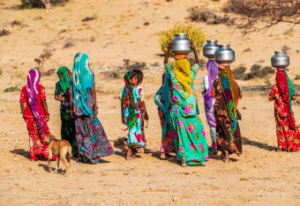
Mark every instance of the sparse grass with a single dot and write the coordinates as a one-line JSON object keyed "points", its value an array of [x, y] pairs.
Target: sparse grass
{"points": [[297, 77], [12, 89], [30, 31], [247, 50], [105, 90], [20, 74]]}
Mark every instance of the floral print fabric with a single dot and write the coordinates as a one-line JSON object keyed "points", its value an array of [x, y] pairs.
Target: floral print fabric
{"points": [[190, 144], [135, 137], [287, 137]]}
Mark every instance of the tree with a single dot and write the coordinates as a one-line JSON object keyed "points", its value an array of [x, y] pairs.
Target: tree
{"points": [[257, 15], [47, 4]]}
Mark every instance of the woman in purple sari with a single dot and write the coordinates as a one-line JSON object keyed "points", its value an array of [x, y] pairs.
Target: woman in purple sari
{"points": [[206, 87]]}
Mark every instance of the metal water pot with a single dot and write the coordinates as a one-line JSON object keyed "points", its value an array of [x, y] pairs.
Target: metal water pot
{"points": [[280, 59], [210, 48], [224, 54], [181, 44]]}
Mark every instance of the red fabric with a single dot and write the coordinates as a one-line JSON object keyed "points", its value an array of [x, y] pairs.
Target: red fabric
{"points": [[288, 138], [41, 97], [36, 140], [282, 85]]}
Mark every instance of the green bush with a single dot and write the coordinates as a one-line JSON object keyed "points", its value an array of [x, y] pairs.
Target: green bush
{"points": [[193, 32], [29, 4], [12, 89]]}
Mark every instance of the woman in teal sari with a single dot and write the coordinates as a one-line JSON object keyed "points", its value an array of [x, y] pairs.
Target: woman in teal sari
{"points": [[190, 144]]}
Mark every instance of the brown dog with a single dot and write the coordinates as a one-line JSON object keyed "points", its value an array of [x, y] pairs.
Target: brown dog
{"points": [[61, 148]]}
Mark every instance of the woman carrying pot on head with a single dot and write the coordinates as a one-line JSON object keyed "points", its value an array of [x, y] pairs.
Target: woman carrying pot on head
{"points": [[92, 142], [227, 94], [190, 144], [283, 92]]}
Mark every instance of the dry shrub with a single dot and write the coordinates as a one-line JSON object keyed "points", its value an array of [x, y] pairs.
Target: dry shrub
{"points": [[4, 32], [193, 32], [29, 4], [95, 16], [206, 15], [50, 72], [255, 72], [1, 72], [112, 74]]}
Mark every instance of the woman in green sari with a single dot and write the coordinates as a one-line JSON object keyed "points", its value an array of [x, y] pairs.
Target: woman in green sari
{"points": [[190, 144], [62, 94]]}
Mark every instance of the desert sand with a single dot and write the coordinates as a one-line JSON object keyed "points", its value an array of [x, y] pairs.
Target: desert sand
{"points": [[261, 176]]}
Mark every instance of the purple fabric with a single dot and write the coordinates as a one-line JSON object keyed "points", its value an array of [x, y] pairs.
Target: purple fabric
{"points": [[213, 74], [32, 90]]}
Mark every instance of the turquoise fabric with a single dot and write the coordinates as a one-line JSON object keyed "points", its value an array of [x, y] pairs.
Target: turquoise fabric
{"points": [[82, 82], [163, 99], [191, 144], [135, 137]]}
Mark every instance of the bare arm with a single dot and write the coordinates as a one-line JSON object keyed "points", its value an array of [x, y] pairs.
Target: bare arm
{"points": [[168, 52], [195, 52], [22, 108], [62, 99], [45, 107], [93, 91], [145, 109]]}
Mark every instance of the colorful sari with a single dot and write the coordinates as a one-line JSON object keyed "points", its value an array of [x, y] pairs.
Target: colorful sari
{"points": [[131, 114], [213, 74], [32, 96], [91, 138], [190, 144], [67, 123], [287, 132], [163, 100], [227, 93]]}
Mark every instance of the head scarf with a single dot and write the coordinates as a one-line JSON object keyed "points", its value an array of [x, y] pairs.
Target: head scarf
{"points": [[64, 75], [83, 80], [231, 93], [213, 74], [287, 90], [32, 91], [128, 99], [163, 99], [183, 72]]}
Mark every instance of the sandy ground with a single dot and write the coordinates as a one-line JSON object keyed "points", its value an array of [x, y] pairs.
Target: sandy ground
{"points": [[260, 176]]}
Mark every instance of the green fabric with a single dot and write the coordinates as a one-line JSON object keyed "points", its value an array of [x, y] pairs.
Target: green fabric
{"points": [[127, 99], [64, 78], [190, 144], [68, 131], [291, 90]]}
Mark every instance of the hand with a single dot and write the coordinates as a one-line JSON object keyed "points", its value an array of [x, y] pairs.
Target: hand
{"points": [[294, 97], [96, 110], [72, 114], [170, 44], [146, 116], [47, 118], [192, 45]]}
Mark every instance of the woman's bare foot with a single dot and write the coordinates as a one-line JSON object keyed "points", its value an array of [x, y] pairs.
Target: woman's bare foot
{"points": [[129, 151], [183, 163], [163, 156], [222, 156], [279, 149], [227, 160]]}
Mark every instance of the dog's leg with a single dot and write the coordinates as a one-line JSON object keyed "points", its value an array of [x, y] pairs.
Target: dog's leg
{"points": [[57, 164], [49, 159], [64, 161]]}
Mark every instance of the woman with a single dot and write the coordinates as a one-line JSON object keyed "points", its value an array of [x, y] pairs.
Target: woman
{"points": [[227, 93], [62, 94], [206, 87], [283, 92], [35, 113], [190, 144], [92, 142], [163, 100]]}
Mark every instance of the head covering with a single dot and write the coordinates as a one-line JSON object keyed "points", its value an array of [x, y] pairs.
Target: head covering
{"points": [[287, 91], [163, 99], [83, 79], [64, 75], [183, 73], [213, 74], [231, 93], [32, 91], [128, 99]]}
